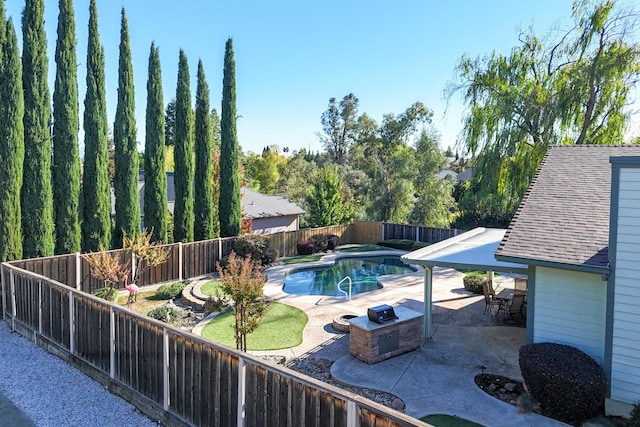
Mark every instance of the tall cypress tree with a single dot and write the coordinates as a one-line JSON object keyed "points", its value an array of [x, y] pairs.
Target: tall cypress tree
{"points": [[203, 203], [66, 160], [36, 195], [155, 178], [11, 143], [96, 189], [125, 181], [229, 204], [183, 154], [2, 28]]}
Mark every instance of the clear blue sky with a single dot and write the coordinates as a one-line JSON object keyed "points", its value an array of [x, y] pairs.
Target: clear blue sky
{"points": [[292, 56]]}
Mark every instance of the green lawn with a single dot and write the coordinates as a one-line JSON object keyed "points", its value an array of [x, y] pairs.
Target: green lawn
{"points": [[441, 420], [280, 328], [364, 248], [212, 288], [302, 258]]}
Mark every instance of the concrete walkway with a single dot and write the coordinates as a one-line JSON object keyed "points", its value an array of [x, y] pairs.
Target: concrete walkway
{"points": [[438, 378], [11, 416]]}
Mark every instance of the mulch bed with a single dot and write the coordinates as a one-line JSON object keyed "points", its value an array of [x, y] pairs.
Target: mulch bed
{"points": [[500, 387]]}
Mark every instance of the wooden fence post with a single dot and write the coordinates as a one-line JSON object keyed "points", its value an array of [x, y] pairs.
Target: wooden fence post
{"points": [[78, 271], [180, 248], [133, 267], [219, 248], [165, 369], [40, 307], [242, 397], [13, 301], [352, 414], [112, 343], [72, 324], [284, 243], [4, 293]]}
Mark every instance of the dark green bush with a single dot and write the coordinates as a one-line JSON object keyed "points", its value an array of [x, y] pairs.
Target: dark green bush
{"points": [[160, 313], [473, 282], [403, 244], [257, 246], [110, 294], [567, 383], [320, 242], [170, 291]]}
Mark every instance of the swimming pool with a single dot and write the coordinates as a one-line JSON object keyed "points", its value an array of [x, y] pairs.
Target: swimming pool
{"points": [[363, 271]]}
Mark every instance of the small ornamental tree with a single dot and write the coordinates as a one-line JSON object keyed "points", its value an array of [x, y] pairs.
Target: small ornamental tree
{"points": [[105, 266], [147, 254], [243, 283]]}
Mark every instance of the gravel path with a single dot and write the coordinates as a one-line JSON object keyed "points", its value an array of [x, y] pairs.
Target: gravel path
{"points": [[52, 393]]}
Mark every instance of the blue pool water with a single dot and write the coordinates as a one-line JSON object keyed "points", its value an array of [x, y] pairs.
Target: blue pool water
{"points": [[364, 273]]}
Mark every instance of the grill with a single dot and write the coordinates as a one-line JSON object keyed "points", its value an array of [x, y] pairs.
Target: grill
{"points": [[381, 313]]}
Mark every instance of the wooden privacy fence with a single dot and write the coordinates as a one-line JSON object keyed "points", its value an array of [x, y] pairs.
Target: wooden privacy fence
{"points": [[174, 376]]}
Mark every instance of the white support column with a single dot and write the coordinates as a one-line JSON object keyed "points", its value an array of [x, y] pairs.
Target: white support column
{"points": [[180, 248], [242, 377], [40, 307], [72, 324], [78, 271], [133, 267], [165, 370], [428, 297], [112, 343], [219, 248]]}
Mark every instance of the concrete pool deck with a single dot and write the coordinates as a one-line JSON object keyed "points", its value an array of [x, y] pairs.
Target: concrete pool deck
{"points": [[439, 377]]}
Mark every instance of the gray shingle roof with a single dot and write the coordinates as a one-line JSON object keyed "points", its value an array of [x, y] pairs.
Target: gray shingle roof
{"points": [[258, 205], [564, 217]]}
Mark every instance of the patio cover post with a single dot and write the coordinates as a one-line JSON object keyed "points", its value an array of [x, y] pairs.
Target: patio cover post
{"points": [[426, 322]]}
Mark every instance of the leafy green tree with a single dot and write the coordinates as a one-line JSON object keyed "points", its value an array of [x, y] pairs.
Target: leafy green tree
{"points": [[562, 88], [11, 142], [170, 122], [36, 194], [296, 176], [183, 152], [126, 157], [96, 193], [389, 161], [203, 203], [264, 171], [229, 205], [326, 203], [66, 159], [155, 178], [434, 196], [339, 127]]}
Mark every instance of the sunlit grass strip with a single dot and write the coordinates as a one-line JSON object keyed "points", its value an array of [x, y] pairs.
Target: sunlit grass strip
{"points": [[303, 258], [280, 328]]}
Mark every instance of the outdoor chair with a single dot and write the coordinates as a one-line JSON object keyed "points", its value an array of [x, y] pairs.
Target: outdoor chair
{"points": [[490, 300], [514, 313], [521, 285]]}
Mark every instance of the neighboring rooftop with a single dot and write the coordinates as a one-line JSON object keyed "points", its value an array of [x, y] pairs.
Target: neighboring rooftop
{"points": [[564, 217], [258, 205]]}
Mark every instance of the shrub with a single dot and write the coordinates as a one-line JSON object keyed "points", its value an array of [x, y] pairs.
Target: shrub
{"points": [[161, 313], [110, 294], [320, 242], [257, 246], [332, 241], [473, 282], [568, 384], [403, 244], [305, 248], [170, 291]]}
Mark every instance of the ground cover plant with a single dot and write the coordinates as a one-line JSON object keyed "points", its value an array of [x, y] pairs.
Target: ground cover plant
{"points": [[302, 259], [363, 248], [281, 327]]}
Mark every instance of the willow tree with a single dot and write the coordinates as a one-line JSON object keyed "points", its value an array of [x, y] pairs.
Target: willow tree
{"points": [[125, 181], [66, 160], [11, 143], [229, 209], [564, 88], [36, 195], [183, 154], [96, 192], [155, 178], [203, 182]]}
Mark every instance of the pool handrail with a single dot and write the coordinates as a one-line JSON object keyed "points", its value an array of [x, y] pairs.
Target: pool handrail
{"points": [[347, 295]]}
